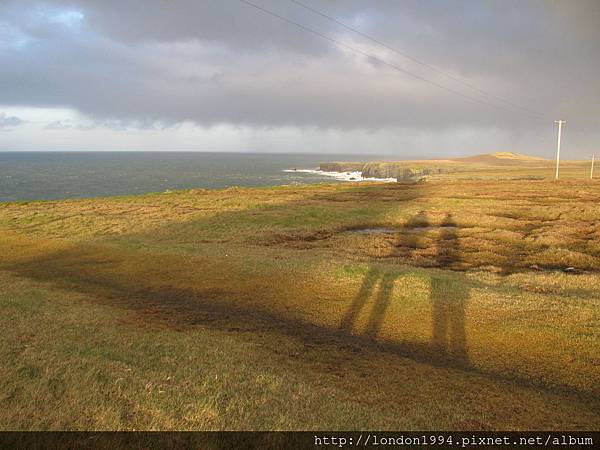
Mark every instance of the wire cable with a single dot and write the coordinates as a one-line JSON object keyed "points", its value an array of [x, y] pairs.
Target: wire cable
{"points": [[370, 55], [417, 61]]}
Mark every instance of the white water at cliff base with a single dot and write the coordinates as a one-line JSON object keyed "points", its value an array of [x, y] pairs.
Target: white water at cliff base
{"points": [[342, 176]]}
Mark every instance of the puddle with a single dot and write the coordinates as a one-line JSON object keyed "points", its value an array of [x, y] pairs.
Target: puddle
{"points": [[374, 231]]}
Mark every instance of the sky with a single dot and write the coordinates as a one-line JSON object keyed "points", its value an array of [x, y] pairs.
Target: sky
{"points": [[452, 77]]}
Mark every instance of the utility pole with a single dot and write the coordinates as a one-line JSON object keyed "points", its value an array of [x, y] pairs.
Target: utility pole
{"points": [[592, 171], [559, 122]]}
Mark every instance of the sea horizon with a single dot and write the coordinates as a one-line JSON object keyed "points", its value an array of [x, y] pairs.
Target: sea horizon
{"points": [[68, 174]]}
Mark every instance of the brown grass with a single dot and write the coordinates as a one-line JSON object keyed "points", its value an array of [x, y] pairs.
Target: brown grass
{"points": [[220, 309]]}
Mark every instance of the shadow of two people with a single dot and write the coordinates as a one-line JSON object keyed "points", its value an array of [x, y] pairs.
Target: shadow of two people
{"points": [[447, 295]]}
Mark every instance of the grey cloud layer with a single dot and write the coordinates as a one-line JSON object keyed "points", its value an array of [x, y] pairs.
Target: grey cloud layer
{"points": [[213, 62]]}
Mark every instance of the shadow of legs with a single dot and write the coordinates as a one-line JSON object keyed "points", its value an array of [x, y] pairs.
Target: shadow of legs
{"points": [[382, 302], [368, 285]]}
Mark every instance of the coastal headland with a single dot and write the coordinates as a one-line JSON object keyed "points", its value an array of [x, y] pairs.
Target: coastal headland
{"points": [[489, 165]]}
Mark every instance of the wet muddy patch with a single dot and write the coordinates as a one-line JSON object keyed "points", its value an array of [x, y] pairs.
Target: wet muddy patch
{"points": [[300, 239], [403, 230]]}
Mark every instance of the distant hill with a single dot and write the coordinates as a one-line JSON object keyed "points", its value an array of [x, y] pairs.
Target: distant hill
{"points": [[502, 159]]}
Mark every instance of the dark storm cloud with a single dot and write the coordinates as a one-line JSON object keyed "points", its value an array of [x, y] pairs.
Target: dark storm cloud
{"points": [[210, 62]]}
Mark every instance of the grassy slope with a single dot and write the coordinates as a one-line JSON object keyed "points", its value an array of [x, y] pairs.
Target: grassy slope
{"points": [[490, 166], [261, 309]]}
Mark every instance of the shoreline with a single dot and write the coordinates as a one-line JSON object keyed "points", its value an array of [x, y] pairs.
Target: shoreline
{"points": [[353, 176]]}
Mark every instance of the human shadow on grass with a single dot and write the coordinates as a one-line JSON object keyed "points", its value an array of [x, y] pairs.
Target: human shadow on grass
{"points": [[448, 297], [381, 281]]}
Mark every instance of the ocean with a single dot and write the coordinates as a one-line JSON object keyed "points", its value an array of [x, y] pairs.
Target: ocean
{"points": [[63, 175]]}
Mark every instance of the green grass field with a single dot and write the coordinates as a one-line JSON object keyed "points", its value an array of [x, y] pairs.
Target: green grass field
{"points": [[472, 305]]}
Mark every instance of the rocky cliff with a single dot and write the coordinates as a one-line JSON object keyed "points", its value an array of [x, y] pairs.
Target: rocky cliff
{"points": [[342, 166], [402, 170]]}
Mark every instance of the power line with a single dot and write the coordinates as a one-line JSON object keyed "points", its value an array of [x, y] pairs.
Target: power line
{"points": [[369, 55], [415, 60]]}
